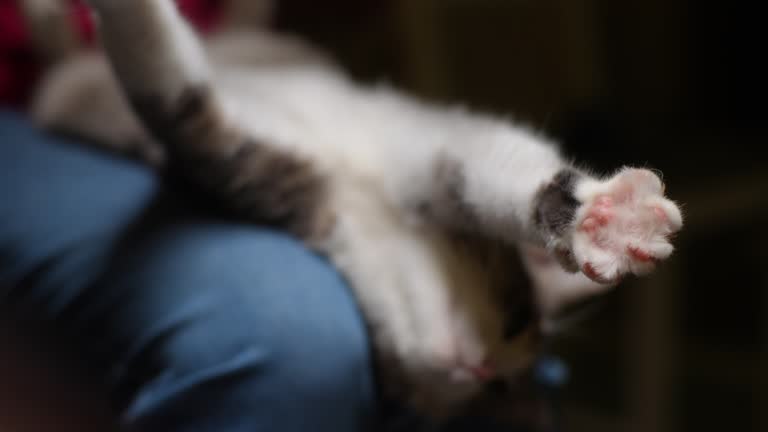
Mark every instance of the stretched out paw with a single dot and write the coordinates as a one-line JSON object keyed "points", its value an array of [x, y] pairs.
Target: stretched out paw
{"points": [[623, 226]]}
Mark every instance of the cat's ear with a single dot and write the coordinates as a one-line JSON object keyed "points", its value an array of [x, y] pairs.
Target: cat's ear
{"points": [[555, 289]]}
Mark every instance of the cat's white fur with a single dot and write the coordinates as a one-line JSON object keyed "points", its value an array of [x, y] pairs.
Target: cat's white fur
{"points": [[428, 299]]}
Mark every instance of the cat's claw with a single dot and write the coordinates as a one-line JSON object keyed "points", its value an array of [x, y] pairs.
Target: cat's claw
{"points": [[624, 225]]}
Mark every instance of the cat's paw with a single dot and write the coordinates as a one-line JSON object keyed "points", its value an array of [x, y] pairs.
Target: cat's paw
{"points": [[623, 226]]}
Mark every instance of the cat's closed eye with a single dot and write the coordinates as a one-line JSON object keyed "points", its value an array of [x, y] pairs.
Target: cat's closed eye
{"points": [[517, 321], [498, 387]]}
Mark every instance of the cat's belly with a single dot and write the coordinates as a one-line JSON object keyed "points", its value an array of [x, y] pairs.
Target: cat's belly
{"points": [[358, 133]]}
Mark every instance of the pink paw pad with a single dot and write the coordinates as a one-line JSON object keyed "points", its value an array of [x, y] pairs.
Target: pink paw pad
{"points": [[640, 255], [589, 270], [623, 225], [600, 215], [660, 214]]}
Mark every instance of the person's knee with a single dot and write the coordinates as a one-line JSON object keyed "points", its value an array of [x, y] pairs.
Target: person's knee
{"points": [[263, 318], [306, 361], [317, 353]]}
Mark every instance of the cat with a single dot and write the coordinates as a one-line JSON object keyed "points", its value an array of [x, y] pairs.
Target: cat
{"points": [[461, 234]]}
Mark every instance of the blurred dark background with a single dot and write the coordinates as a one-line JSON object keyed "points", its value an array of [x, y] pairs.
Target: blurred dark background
{"points": [[676, 85]]}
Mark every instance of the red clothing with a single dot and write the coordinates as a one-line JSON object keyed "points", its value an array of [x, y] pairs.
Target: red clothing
{"points": [[19, 65]]}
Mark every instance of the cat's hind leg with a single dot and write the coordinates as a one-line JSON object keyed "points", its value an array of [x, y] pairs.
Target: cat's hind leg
{"points": [[607, 228], [77, 95], [165, 76], [519, 189]]}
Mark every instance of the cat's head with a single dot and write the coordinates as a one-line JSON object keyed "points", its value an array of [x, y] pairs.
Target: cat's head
{"points": [[505, 302]]}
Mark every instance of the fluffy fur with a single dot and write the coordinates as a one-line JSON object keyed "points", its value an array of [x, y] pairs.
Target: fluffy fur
{"points": [[426, 210]]}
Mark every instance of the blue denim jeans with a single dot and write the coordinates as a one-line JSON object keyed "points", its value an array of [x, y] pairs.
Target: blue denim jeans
{"points": [[195, 324]]}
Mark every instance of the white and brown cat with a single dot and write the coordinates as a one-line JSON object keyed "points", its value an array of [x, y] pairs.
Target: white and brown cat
{"points": [[425, 209]]}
